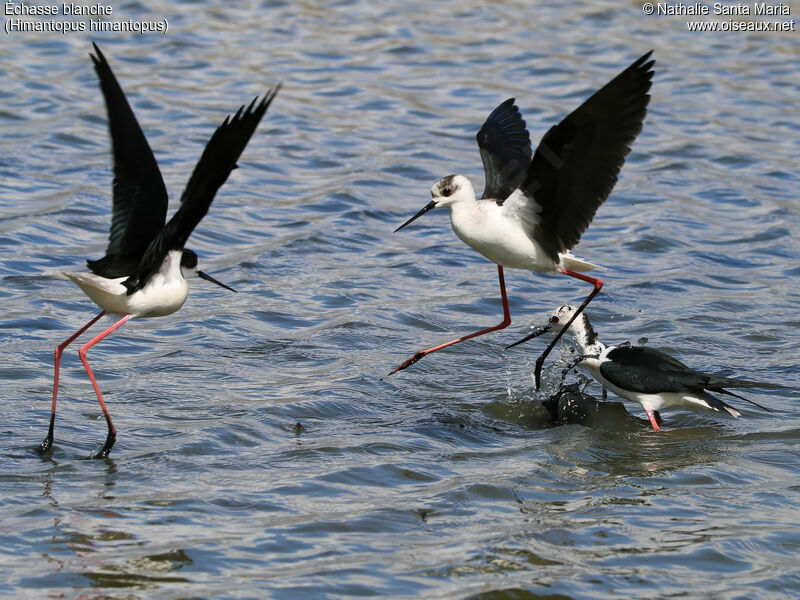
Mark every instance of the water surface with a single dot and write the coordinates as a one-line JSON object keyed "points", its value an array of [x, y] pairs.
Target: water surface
{"points": [[437, 482]]}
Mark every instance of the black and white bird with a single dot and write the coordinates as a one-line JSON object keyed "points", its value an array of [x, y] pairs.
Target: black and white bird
{"points": [[645, 375], [535, 206], [144, 270]]}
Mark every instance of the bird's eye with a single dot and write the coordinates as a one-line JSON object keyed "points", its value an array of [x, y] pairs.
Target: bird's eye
{"points": [[447, 191], [554, 319]]}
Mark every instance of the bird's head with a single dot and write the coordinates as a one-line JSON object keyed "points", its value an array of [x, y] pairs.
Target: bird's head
{"points": [[189, 269], [452, 189], [580, 330], [446, 192]]}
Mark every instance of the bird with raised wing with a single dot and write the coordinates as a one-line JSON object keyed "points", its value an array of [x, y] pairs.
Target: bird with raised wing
{"points": [[144, 270], [645, 375], [535, 206]]}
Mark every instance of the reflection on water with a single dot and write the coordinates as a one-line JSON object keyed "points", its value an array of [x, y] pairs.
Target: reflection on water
{"points": [[442, 480]]}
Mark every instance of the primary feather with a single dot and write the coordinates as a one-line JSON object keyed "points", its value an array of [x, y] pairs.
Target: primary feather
{"points": [[139, 194], [212, 170]]}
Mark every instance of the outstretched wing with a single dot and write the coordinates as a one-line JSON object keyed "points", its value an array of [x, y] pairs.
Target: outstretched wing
{"points": [[212, 170], [505, 147], [140, 197], [577, 162]]}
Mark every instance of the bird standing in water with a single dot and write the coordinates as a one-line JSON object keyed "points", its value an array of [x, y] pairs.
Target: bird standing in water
{"points": [[144, 270]]}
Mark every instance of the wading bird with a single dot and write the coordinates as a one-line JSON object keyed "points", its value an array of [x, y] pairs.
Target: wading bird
{"points": [[535, 207], [645, 375], [144, 270]]}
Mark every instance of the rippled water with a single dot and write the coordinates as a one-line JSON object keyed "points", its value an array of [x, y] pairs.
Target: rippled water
{"points": [[438, 481]]}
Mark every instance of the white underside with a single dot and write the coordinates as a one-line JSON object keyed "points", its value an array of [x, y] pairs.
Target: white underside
{"points": [[498, 233], [165, 292]]}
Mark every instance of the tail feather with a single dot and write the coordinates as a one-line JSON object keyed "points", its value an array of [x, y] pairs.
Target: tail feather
{"points": [[727, 393], [573, 263], [715, 403], [716, 383]]}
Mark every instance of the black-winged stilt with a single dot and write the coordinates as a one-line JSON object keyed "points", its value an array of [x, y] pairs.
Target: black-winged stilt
{"points": [[645, 375], [535, 207], [144, 271]]}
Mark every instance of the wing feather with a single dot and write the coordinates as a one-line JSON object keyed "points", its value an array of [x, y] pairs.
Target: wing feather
{"points": [[577, 162], [505, 147], [212, 170], [650, 371], [140, 196]]}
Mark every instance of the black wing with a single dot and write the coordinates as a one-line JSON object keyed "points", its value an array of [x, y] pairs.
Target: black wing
{"points": [[505, 146], [140, 197], [577, 162], [212, 170], [649, 371]]}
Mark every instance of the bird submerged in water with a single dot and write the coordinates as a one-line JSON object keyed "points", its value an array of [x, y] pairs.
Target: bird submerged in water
{"points": [[571, 406], [144, 270], [650, 377]]}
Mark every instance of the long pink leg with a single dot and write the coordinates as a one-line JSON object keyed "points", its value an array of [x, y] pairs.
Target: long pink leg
{"points": [[48, 441], [654, 418], [598, 285], [506, 322], [112, 432]]}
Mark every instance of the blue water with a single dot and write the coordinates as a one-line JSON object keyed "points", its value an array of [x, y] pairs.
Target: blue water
{"points": [[439, 481]]}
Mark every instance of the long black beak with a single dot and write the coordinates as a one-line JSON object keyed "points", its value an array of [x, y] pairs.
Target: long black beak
{"points": [[202, 275], [429, 206], [536, 333]]}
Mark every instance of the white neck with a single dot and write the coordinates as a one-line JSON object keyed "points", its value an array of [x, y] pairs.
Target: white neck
{"points": [[171, 268], [585, 337]]}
